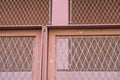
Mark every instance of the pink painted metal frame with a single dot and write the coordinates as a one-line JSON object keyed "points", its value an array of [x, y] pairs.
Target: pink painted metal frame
{"points": [[44, 70], [44, 53], [28, 31], [72, 31], [60, 18]]}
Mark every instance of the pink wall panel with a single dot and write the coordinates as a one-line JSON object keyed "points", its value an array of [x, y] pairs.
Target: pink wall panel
{"points": [[59, 12]]}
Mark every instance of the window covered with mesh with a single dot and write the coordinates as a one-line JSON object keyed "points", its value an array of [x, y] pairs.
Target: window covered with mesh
{"points": [[16, 53], [94, 53], [94, 11], [24, 12], [88, 57]]}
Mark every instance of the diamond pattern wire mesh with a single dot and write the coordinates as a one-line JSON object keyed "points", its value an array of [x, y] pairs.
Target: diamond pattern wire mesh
{"points": [[16, 57], [88, 58], [94, 11], [24, 12]]}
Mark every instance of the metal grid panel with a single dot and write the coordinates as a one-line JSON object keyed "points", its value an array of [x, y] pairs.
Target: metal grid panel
{"points": [[16, 58], [94, 11], [24, 12], [88, 58]]}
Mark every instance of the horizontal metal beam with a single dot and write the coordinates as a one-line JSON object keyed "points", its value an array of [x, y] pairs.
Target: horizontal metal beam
{"points": [[20, 27], [86, 26]]}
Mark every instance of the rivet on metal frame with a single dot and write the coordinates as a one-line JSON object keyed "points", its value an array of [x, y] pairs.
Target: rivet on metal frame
{"points": [[51, 61], [80, 32]]}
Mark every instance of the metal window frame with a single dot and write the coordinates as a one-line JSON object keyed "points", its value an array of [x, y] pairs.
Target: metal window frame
{"points": [[27, 27], [45, 38], [86, 26], [74, 27]]}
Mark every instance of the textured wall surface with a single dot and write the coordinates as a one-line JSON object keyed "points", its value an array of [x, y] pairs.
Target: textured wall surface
{"points": [[95, 11], [24, 12]]}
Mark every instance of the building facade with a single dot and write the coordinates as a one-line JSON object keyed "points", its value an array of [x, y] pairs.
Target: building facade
{"points": [[59, 40]]}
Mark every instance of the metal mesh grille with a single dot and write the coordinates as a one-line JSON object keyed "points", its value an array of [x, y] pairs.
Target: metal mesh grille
{"points": [[24, 12], [88, 58], [94, 11], [16, 57]]}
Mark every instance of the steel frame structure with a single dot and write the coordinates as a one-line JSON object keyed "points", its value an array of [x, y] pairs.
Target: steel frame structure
{"points": [[45, 38]]}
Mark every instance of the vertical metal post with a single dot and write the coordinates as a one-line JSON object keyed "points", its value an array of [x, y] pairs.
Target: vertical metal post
{"points": [[50, 12], [44, 53], [70, 13]]}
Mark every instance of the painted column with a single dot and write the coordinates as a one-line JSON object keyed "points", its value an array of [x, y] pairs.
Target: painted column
{"points": [[59, 12]]}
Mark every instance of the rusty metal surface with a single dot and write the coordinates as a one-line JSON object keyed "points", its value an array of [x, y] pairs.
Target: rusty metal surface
{"points": [[94, 12], [24, 12]]}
